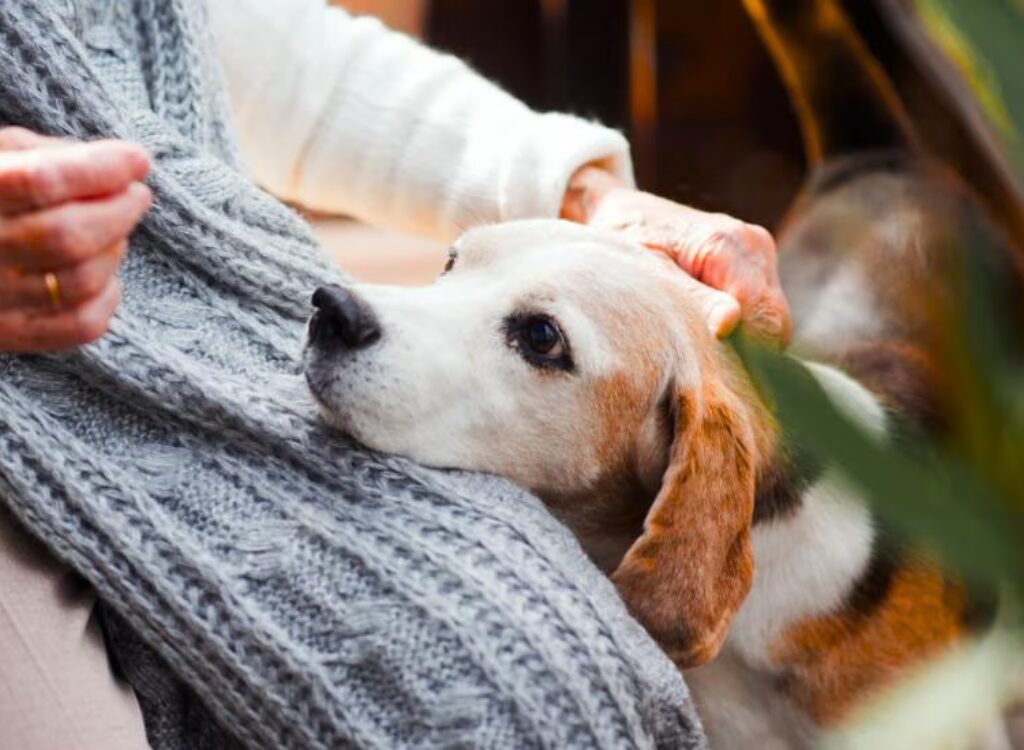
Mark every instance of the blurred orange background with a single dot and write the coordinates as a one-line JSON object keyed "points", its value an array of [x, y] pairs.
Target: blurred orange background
{"points": [[690, 84]]}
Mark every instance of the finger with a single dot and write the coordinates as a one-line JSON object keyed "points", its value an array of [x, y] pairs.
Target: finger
{"points": [[743, 262], [721, 311], [75, 284], [41, 177], [694, 254], [736, 268], [18, 139], [72, 233], [768, 317], [765, 309], [665, 239], [22, 331], [739, 289], [724, 317]]}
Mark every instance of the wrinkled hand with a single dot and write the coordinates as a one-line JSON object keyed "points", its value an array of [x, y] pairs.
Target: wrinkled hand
{"points": [[66, 210], [735, 260]]}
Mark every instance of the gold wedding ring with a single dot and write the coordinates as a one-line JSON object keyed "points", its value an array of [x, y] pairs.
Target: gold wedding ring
{"points": [[53, 287]]}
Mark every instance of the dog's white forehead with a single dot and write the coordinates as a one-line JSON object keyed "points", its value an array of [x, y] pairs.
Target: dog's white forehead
{"points": [[595, 271], [560, 243], [596, 284]]}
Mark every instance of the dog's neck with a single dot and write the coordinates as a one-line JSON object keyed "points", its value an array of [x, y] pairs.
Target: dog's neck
{"points": [[813, 537], [607, 517], [784, 472]]}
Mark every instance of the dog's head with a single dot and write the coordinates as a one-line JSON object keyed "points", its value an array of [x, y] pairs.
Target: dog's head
{"points": [[570, 362]]}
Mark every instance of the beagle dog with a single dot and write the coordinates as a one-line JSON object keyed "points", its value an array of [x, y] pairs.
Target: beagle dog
{"points": [[580, 366]]}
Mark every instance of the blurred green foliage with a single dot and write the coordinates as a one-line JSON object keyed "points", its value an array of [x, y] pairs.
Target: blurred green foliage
{"points": [[936, 495], [962, 498], [985, 38]]}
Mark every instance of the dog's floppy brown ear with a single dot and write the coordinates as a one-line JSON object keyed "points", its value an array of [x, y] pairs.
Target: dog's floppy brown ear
{"points": [[690, 570]]}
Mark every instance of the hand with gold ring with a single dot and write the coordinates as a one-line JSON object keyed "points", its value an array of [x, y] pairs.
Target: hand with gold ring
{"points": [[66, 210]]}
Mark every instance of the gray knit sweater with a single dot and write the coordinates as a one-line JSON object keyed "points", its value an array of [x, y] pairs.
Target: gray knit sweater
{"points": [[267, 583]]}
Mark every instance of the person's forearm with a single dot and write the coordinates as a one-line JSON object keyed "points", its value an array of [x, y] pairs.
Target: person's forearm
{"points": [[340, 114]]}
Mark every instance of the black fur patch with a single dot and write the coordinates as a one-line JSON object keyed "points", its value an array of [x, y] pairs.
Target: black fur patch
{"points": [[980, 609], [781, 484], [875, 582]]}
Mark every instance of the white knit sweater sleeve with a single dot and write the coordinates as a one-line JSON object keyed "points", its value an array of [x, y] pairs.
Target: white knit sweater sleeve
{"points": [[341, 114]]}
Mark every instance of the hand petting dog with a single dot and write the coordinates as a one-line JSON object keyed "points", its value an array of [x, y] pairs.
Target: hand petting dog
{"points": [[736, 261]]}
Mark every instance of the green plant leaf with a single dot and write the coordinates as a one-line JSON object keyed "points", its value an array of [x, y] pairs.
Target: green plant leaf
{"points": [[933, 498]]}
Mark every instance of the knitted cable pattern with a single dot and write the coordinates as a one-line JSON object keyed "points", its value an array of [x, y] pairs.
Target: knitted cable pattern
{"points": [[271, 584]]}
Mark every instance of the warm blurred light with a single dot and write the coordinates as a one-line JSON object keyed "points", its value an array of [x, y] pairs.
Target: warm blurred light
{"points": [[404, 15], [643, 85]]}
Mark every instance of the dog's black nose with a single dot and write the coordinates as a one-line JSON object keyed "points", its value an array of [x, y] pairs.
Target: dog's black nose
{"points": [[342, 319]]}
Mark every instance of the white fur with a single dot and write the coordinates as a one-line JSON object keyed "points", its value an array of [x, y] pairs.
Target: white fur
{"points": [[742, 709], [842, 310], [806, 566], [807, 563]]}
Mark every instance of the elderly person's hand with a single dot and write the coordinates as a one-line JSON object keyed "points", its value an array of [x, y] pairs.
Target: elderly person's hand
{"points": [[66, 210], [736, 261]]}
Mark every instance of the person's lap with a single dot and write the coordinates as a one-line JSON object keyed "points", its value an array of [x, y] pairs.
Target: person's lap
{"points": [[57, 689], [67, 697]]}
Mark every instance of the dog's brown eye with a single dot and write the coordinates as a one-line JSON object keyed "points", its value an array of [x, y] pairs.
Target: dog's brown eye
{"points": [[541, 336], [539, 341]]}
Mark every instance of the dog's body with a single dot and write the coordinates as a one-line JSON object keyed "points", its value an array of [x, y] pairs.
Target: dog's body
{"points": [[579, 366], [871, 258], [839, 607]]}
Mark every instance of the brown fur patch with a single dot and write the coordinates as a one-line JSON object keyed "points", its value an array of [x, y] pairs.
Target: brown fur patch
{"points": [[689, 572], [607, 515], [832, 662], [904, 378]]}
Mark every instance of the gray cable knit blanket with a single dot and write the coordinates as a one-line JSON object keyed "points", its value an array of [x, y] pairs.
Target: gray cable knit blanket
{"points": [[269, 584]]}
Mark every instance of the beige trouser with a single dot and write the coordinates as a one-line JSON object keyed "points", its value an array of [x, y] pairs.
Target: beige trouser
{"points": [[56, 687]]}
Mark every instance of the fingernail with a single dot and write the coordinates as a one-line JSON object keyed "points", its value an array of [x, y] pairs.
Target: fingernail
{"points": [[724, 318], [140, 160]]}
